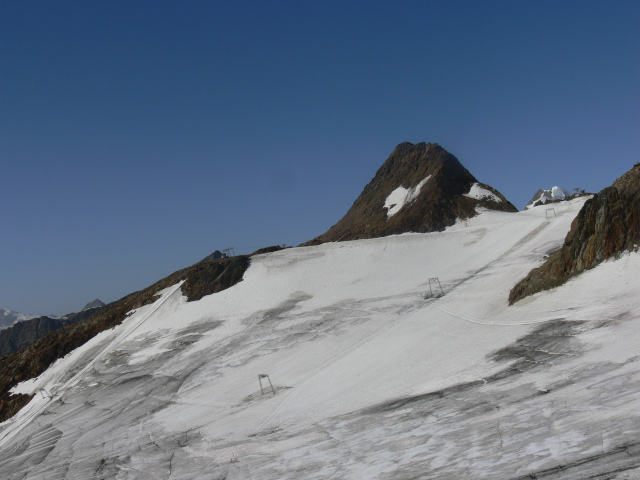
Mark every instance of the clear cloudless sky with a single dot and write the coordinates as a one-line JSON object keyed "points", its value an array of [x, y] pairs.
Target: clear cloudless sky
{"points": [[136, 137]]}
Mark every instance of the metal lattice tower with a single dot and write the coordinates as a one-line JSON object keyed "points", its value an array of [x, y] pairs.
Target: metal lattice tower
{"points": [[435, 280], [262, 389], [45, 394]]}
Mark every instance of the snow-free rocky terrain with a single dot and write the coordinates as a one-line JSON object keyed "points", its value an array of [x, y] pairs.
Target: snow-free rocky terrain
{"points": [[378, 370]]}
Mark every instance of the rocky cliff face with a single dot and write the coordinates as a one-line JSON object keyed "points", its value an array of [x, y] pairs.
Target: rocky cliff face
{"points": [[420, 188], [608, 224]]}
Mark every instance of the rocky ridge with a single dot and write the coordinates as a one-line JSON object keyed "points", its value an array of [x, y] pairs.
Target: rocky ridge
{"points": [[419, 188], [607, 225]]}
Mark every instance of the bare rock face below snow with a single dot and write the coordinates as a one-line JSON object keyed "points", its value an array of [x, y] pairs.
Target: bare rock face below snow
{"points": [[203, 278], [607, 225], [420, 188]]}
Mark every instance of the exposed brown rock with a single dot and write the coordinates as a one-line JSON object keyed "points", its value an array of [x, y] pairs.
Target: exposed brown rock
{"points": [[9, 406], [607, 224], [214, 276], [439, 203]]}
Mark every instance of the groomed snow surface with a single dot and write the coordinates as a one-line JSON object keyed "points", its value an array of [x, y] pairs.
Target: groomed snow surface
{"points": [[373, 378]]}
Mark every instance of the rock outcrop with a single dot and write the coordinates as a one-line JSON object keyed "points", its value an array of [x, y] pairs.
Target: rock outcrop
{"points": [[607, 224], [420, 188]]}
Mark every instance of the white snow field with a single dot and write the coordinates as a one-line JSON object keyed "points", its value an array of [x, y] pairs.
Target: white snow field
{"points": [[373, 378]]}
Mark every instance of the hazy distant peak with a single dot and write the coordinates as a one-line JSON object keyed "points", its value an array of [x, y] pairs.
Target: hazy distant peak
{"points": [[93, 304], [9, 318]]}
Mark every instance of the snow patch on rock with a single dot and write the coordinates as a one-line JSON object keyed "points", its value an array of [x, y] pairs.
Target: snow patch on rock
{"points": [[480, 193], [401, 196]]}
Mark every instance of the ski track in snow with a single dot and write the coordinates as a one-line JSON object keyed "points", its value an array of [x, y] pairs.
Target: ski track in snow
{"points": [[373, 378]]}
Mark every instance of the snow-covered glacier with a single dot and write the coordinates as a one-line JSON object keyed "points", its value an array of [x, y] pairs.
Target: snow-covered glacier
{"points": [[373, 377]]}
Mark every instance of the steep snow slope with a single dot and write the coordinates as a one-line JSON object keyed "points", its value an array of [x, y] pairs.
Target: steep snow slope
{"points": [[372, 379]]}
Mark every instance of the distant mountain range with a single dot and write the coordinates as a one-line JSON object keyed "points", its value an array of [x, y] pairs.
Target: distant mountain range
{"points": [[8, 318]]}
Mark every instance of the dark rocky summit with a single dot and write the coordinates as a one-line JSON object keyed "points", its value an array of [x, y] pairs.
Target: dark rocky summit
{"points": [[429, 205], [607, 224], [203, 278]]}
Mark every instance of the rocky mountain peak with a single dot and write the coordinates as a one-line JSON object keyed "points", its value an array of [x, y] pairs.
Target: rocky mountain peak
{"points": [[94, 304], [419, 188]]}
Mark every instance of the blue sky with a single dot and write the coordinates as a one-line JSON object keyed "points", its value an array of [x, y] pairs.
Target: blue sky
{"points": [[137, 137]]}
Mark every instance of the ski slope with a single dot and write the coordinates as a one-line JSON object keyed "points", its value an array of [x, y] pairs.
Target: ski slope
{"points": [[374, 378]]}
